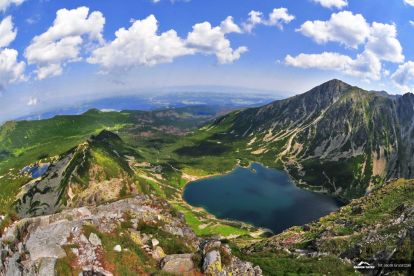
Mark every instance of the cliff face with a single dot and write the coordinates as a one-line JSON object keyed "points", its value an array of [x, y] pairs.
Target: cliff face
{"points": [[335, 137]]}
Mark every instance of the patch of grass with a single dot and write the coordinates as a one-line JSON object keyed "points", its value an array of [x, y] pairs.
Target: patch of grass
{"points": [[213, 227], [132, 260], [280, 265]]}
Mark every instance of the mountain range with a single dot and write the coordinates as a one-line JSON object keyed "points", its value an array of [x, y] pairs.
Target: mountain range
{"points": [[101, 192]]}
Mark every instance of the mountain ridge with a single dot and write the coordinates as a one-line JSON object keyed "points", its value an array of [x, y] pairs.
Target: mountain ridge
{"points": [[334, 138]]}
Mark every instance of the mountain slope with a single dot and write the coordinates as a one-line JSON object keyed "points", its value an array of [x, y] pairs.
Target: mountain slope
{"points": [[377, 228], [93, 172], [334, 138]]}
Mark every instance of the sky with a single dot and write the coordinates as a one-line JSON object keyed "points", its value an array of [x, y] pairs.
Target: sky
{"points": [[60, 52]]}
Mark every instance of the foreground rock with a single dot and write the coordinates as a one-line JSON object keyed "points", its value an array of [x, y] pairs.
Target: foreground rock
{"points": [[178, 264], [140, 235]]}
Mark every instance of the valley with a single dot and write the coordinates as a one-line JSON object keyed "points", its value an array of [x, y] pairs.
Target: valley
{"points": [[120, 176]]}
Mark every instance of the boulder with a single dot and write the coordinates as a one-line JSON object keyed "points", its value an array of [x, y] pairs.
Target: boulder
{"points": [[95, 240], [158, 253], [117, 248], [210, 245], [212, 263], [47, 266], [154, 243], [45, 242], [135, 237], [239, 267], [178, 264], [14, 268]]}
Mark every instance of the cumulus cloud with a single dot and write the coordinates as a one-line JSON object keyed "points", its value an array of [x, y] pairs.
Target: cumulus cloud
{"points": [[63, 41], [404, 75], [11, 70], [383, 42], [353, 30], [339, 4], [344, 27], [409, 2], [142, 44], [365, 65], [7, 32], [379, 40], [211, 40], [5, 4], [228, 26], [278, 17]]}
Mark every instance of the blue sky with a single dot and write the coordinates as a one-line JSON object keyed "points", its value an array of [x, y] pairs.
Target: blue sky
{"points": [[61, 52]]}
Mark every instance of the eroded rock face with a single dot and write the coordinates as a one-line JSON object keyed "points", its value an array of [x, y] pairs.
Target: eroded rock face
{"points": [[47, 241], [212, 263], [178, 264]]}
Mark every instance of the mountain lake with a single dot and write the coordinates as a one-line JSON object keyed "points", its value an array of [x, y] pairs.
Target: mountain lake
{"points": [[261, 196]]}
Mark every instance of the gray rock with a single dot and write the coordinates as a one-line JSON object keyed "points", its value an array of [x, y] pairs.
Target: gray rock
{"points": [[47, 267], [84, 239], [212, 263], [210, 245], [95, 240], [46, 241], [239, 267], [117, 248], [14, 267], [154, 243], [178, 264]]}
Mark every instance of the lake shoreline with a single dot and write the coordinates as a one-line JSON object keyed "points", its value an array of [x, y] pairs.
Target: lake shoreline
{"points": [[319, 204]]}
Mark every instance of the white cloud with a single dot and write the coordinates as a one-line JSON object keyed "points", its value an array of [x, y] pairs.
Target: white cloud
{"points": [[339, 4], [142, 44], [278, 17], [228, 26], [383, 42], [255, 18], [365, 65], [5, 4], [409, 2], [211, 40], [10, 69], [63, 41], [404, 75], [7, 32], [379, 40], [32, 101], [324, 61], [343, 27], [411, 22]]}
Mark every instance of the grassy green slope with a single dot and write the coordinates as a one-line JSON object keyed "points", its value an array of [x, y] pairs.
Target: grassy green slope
{"points": [[375, 227]]}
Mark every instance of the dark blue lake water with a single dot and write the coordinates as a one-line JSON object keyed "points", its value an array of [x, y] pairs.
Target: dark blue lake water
{"points": [[261, 196]]}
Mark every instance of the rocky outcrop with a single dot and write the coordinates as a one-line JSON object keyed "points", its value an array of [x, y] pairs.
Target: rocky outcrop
{"points": [[218, 260], [178, 264], [212, 263], [35, 245]]}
